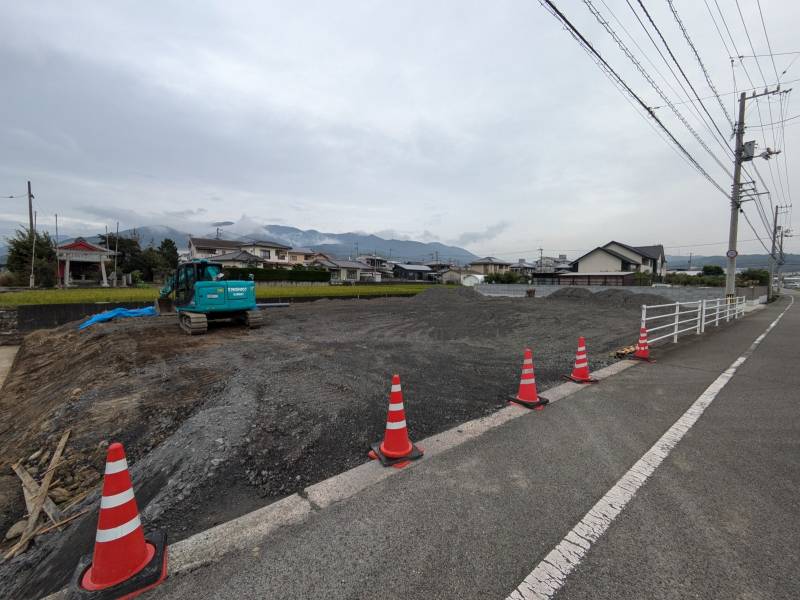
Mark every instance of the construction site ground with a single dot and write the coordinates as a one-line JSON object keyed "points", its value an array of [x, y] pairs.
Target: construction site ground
{"points": [[217, 425]]}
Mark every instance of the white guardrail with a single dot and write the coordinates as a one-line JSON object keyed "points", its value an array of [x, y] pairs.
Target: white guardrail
{"points": [[689, 317]]}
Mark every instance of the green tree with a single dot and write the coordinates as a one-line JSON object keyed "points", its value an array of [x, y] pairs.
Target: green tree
{"points": [[152, 264], [713, 270], [20, 250], [753, 277], [643, 278], [169, 252], [129, 257]]}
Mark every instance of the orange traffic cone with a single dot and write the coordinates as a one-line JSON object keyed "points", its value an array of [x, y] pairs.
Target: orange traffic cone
{"points": [[125, 561], [580, 372], [642, 349], [396, 449], [527, 396]]}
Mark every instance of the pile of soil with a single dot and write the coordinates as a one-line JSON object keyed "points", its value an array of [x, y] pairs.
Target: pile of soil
{"points": [[217, 425]]}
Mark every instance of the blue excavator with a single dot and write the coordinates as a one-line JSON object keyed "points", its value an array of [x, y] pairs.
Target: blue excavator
{"points": [[197, 291]]}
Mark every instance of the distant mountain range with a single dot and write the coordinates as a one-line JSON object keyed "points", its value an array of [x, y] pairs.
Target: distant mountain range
{"points": [[743, 261], [340, 245]]}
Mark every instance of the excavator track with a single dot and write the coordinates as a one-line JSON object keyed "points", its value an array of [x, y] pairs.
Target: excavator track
{"points": [[253, 319], [193, 323]]}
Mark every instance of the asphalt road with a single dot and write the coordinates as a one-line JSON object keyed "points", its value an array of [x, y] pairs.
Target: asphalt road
{"points": [[719, 518]]}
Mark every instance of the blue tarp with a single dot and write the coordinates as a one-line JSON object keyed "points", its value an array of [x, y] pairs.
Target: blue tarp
{"points": [[118, 313]]}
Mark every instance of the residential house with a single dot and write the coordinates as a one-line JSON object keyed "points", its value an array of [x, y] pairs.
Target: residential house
{"points": [[488, 265], [301, 256], [271, 254], [238, 258], [523, 268], [209, 247], [381, 268], [453, 275], [412, 272], [472, 279], [616, 257], [268, 254], [552, 264], [343, 271]]}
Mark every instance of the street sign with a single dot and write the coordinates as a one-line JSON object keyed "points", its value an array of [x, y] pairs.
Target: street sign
{"points": [[731, 254]]}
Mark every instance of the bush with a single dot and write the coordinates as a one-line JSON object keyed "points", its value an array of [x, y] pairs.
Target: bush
{"points": [[507, 277], [276, 274], [713, 270]]}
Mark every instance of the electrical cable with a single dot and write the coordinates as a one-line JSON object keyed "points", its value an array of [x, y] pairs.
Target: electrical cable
{"points": [[587, 46]]}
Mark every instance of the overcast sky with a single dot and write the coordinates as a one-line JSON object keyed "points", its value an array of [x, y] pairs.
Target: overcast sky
{"points": [[477, 123]]}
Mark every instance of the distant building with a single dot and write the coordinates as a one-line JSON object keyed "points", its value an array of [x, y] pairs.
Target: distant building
{"points": [[472, 279], [553, 264], [267, 253], [453, 275], [616, 257], [523, 268], [488, 265], [343, 271], [412, 272]]}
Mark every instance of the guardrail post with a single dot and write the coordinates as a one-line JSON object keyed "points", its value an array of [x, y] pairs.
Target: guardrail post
{"points": [[644, 315], [701, 316], [716, 314], [677, 319]]}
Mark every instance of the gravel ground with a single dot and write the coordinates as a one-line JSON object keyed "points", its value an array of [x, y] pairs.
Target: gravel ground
{"points": [[220, 424]]}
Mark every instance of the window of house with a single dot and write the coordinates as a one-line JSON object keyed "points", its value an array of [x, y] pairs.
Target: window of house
{"points": [[281, 256], [264, 253]]}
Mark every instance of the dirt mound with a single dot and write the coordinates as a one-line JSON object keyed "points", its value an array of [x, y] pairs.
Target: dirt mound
{"points": [[441, 296], [576, 293], [609, 296]]}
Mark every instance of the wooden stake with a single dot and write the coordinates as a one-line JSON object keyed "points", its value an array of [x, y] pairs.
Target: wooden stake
{"points": [[38, 501], [30, 489]]}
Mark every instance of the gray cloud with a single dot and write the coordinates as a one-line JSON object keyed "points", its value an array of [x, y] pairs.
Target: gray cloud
{"points": [[413, 120], [490, 233]]}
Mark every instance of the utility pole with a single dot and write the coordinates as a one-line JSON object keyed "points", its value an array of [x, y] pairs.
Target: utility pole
{"points": [[30, 209], [730, 275], [689, 268], [58, 284], [772, 257], [736, 203], [32, 281]]}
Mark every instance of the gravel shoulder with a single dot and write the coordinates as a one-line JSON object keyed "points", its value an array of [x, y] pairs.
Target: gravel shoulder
{"points": [[218, 425]]}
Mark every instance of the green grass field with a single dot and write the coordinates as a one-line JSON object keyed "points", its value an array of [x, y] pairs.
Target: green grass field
{"points": [[148, 294]]}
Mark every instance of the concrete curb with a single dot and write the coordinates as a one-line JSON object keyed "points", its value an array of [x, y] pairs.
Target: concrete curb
{"points": [[248, 531]]}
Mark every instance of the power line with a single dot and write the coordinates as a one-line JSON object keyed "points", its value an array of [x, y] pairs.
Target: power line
{"points": [[766, 36], [604, 23], [746, 218], [723, 144], [700, 62], [779, 122], [548, 4]]}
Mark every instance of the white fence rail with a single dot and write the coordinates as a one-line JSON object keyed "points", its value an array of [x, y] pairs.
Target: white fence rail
{"points": [[673, 320]]}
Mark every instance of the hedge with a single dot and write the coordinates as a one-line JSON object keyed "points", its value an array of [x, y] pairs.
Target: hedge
{"points": [[276, 274]]}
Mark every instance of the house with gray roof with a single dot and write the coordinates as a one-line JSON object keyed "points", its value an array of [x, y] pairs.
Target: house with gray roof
{"points": [[616, 257]]}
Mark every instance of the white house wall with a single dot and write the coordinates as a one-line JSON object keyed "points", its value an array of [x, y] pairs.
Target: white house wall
{"points": [[599, 262]]}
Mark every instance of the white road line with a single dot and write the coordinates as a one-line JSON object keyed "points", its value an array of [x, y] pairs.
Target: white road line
{"points": [[550, 575]]}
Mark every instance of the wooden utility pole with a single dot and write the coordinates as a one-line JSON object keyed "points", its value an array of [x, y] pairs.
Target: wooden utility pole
{"points": [[30, 210]]}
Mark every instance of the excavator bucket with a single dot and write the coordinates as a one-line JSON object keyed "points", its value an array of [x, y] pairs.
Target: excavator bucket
{"points": [[165, 306]]}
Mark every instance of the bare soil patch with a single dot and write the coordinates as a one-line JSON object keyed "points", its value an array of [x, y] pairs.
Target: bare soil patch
{"points": [[217, 425]]}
